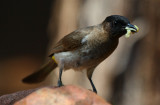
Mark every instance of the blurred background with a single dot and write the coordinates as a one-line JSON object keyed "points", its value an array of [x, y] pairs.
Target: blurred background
{"points": [[29, 29]]}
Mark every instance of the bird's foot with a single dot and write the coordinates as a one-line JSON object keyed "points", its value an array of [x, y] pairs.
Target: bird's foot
{"points": [[60, 84], [95, 91]]}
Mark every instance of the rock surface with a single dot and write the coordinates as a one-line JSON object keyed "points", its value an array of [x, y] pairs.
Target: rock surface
{"points": [[65, 95], [10, 99]]}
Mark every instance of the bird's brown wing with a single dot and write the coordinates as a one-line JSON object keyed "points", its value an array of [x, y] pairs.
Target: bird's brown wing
{"points": [[71, 41]]}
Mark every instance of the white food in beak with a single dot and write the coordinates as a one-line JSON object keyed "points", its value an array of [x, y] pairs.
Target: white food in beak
{"points": [[129, 31], [128, 34]]}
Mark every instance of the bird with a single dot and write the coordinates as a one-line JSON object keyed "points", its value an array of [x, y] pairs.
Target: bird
{"points": [[85, 49]]}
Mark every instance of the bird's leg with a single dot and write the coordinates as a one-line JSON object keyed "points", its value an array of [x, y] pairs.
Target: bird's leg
{"points": [[60, 75], [89, 75]]}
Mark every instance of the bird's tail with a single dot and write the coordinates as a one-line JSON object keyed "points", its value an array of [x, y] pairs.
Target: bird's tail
{"points": [[41, 74]]}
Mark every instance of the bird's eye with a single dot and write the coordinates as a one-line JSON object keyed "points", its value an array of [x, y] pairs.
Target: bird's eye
{"points": [[115, 22]]}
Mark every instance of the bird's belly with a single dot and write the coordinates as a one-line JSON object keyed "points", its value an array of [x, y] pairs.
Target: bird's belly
{"points": [[74, 60]]}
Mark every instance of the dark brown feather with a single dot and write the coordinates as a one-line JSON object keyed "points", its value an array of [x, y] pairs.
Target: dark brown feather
{"points": [[71, 41], [41, 74]]}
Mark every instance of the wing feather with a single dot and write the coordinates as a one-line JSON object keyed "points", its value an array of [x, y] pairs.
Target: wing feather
{"points": [[71, 41]]}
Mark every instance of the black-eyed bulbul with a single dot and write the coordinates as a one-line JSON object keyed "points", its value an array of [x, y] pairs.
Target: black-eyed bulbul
{"points": [[85, 48]]}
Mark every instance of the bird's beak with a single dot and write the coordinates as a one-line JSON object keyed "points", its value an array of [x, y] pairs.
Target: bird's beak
{"points": [[131, 29]]}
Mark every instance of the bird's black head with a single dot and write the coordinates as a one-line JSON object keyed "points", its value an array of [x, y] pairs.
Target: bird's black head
{"points": [[119, 25]]}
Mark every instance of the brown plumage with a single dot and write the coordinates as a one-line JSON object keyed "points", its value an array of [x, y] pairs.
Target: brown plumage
{"points": [[71, 41], [85, 48]]}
